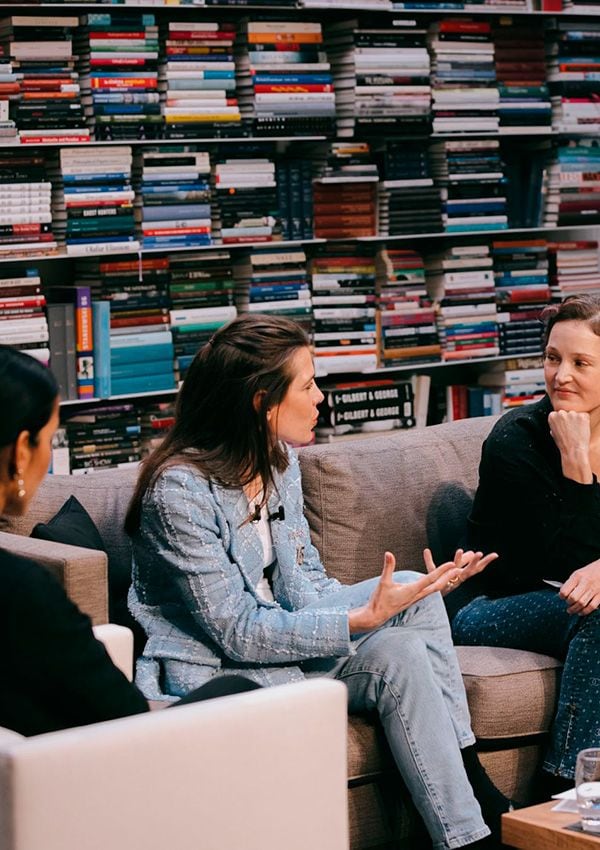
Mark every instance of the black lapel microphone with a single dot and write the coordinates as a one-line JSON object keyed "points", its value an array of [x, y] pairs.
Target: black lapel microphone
{"points": [[278, 514]]}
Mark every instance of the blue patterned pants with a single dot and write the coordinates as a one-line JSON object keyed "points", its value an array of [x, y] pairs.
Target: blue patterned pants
{"points": [[538, 621]]}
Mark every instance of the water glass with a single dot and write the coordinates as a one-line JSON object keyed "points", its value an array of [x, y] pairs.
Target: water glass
{"points": [[587, 785]]}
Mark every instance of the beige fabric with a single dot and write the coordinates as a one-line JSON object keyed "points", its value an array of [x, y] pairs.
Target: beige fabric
{"points": [[276, 757], [118, 642], [512, 770]]}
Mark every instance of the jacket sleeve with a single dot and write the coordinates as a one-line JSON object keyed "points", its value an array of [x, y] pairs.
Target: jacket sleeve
{"points": [[190, 538]]}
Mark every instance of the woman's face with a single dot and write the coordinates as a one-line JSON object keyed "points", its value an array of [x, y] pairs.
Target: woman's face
{"points": [[33, 463], [572, 367], [293, 419]]}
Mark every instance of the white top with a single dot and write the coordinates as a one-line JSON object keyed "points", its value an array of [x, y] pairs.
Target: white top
{"points": [[263, 588]]}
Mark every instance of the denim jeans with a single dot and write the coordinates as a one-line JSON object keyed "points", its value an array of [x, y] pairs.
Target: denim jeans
{"points": [[408, 673], [538, 621]]}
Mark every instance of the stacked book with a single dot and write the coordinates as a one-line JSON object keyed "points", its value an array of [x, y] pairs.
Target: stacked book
{"points": [[522, 292], [574, 268], [26, 204], [381, 77], [275, 281], [284, 79], [409, 202], [156, 420], [406, 322], [364, 406], [461, 280], [174, 198], [93, 202], [520, 56], [103, 437], [119, 62], [574, 76], [344, 304], [295, 197], [245, 205], [10, 91], [345, 193], [198, 78], [573, 184], [48, 106], [471, 176], [23, 321], [516, 382], [463, 77], [202, 300]]}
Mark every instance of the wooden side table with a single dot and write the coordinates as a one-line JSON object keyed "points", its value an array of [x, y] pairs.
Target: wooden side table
{"points": [[539, 828]]}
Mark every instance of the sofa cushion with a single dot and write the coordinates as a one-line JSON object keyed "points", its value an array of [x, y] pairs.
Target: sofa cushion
{"points": [[72, 525]]}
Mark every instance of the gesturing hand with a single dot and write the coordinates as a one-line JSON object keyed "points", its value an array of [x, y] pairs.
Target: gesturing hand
{"points": [[467, 564], [571, 431], [582, 589]]}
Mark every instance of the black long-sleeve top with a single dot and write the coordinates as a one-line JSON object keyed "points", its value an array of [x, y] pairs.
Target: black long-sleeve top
{"points": [[54, 674], [542, 525]]}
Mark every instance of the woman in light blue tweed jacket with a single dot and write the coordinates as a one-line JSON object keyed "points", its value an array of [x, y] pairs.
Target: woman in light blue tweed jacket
{"points": [[226, 579]]}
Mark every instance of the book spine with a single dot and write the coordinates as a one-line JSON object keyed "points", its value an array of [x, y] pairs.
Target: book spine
{"points": [[101, 342]]}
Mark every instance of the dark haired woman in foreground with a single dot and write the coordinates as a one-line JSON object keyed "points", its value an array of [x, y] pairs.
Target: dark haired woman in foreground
{"points": [[538, 506], [226, 579], [54, 673]]}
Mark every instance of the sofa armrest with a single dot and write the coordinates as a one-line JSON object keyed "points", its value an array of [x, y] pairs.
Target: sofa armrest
{"points": [[118, 642], [263, 770], [82, 572]]}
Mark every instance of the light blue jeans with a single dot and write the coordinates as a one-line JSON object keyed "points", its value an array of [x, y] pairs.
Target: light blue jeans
{"points": [[407, 672]]}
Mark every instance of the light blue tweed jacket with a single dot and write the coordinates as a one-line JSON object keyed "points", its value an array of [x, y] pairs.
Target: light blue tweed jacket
{"points": [[195, 569]]}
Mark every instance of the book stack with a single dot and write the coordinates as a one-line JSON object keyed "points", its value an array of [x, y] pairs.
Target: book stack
{"points": [[103, 437], [119, 62], [471, 176], [573, 184], [381, 77], [522, 292], [574, 75], [10, 91], [275, 281], [284, 79], [409, 202], [574, 268], [344, 303], [463, 77], [93, 202], [461, 280], [520, 56], [406, 322], [202, 300], [517, 382], [198, 77], [23, 321], [345, 193], [295, 197], [364, 406], [75, 303], [26, 199], [245, 205], [174, 198], [48, 106], [156, 420]]}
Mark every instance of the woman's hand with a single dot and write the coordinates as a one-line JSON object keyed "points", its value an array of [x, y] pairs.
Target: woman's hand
{"points": [[582, 589], [467, 564], [390, 598], [571, 431]]}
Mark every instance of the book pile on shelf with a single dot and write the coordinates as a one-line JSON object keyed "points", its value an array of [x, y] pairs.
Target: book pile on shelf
{"points": [[202, 296], [514, 383], [522, 292], [102, 437], [344, 304], [23, 322], [465, 402], [156, 420], [409, 202], [574, 268], [70, 307], [295, 197], [10, 90], [119, 74], [26, 204], [198, 78], [573, 184], [366, 407], [93, 201], [462, 5], [463, 77], [275, 281], [406, 322], [574, 75], [284, 79], [345, 193], [48, 106], [245, 205], [520, 55], [174, 198], [471, 176], [381, 77], [461, 280]]}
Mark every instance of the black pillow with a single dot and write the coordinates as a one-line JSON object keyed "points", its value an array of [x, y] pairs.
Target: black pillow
{"points": [[72, 525]]}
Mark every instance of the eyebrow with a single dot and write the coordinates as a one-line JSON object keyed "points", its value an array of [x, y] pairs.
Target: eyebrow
{"points": [[576, 354]]}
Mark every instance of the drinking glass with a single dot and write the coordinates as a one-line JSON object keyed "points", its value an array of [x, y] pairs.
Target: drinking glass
{"points": [[587, 784]]}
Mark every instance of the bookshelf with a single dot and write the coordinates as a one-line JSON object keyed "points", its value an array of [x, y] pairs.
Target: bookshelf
{"points": [[292, 161]]}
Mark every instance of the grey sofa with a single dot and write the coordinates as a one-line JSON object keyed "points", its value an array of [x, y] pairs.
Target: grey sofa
{"points": [[400, 493]]}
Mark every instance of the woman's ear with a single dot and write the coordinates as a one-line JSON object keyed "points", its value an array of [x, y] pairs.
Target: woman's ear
{"points": [[22, 453], [258, 400]]}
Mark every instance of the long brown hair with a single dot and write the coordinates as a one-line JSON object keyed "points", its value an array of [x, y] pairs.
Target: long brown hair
{"points": [[574, 308], [221, 414]]}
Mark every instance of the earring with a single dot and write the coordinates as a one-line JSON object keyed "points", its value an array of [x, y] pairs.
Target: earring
{"points": [[21, 492]]}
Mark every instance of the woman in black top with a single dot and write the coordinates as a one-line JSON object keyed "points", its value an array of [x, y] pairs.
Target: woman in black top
{"points": [[538, 506]]}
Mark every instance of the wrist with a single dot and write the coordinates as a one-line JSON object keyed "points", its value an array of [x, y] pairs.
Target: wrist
{"points": [[576, 466], [360, 620]]}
